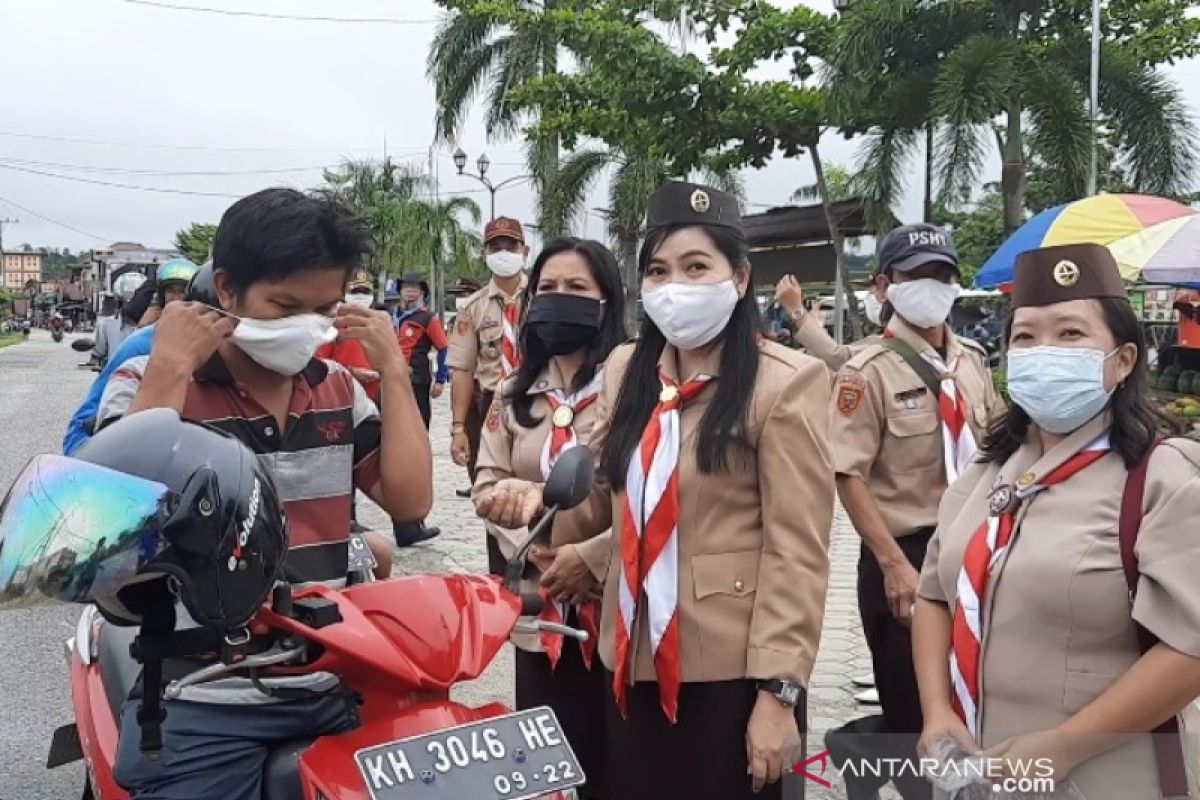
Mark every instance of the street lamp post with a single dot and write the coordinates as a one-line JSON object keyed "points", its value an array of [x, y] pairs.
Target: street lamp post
{"points": [[1093, 174], [482, 164]]}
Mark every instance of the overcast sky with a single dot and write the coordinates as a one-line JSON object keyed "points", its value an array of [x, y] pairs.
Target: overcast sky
{"points": [[155, 90]]}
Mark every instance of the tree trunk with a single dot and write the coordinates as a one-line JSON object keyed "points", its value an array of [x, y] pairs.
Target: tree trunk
{"points": [[629, 276], [839, 249], [1012, 178], [928, 210], [550, 151]]}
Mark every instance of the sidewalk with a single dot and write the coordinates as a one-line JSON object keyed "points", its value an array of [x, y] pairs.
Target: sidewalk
{"points": [[460, 548]]}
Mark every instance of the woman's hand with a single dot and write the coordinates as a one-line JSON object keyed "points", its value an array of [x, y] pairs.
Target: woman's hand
{"points": [[944, 724], [566, 575], [1032, 755], [511, 503], [772, 741]]}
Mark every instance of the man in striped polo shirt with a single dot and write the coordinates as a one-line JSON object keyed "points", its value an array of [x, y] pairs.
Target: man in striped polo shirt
{"points": [[281, 259]]}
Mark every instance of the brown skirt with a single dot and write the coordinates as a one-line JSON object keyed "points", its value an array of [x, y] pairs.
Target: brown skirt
{"points": [[701, 757]]}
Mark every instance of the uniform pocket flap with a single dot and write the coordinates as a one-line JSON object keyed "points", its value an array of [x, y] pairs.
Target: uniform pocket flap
{"points": [[905, 425], [734, 574]]}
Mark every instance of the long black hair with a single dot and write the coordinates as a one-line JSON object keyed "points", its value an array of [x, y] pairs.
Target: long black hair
{"points": [[724, 423], [534, 358], [1133, 418]]}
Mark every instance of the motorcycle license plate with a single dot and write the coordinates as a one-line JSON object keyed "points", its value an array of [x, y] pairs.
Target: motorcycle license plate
{"points": [[511, 757]]}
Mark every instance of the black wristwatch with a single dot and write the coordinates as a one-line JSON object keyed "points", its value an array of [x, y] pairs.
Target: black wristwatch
{"points": [[786, 692]]}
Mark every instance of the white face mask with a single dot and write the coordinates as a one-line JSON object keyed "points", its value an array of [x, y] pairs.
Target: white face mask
{"points": [[359, 300], [873, 309], [925, 302], [1060, 388], [504, 264], [284, 345], [691, 315]]}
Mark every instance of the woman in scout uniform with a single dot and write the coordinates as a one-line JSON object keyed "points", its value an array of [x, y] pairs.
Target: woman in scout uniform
{"points": [[575, 317], [907, 414], [1056, 635], [716, 479]]}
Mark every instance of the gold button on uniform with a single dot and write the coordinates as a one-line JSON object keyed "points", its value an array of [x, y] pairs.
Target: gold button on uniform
{"points": [[1026, 480], [563, 417], [738, 585], [669, 394]]}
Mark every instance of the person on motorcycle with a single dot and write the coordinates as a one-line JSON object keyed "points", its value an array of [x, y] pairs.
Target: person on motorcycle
{"points": [[112, 330], [281, 261], [171, 283], [200, 289]]}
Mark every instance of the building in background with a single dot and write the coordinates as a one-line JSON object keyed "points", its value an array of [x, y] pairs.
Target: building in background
{"points": [[19, 267], [110, 263]]}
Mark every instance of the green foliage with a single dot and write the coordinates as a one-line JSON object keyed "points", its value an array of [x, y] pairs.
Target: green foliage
{"points": [[978, 231], [196, 241], [57, 264]]}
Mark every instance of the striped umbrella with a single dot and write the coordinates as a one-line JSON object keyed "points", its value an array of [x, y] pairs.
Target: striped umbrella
{"points": [[1168, 252], [1101, 219]]}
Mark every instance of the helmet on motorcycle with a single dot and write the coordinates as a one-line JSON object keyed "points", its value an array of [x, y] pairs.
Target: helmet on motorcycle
{"points": [[177, 269], [151, 509], [202, 289], [127, 284]]}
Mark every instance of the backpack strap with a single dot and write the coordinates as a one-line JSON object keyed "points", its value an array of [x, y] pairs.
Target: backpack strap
{"points": [[925, 371], [1168, 748]]}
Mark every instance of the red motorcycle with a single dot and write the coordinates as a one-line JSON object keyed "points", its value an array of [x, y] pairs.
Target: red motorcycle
{"points": [[399, 644]]}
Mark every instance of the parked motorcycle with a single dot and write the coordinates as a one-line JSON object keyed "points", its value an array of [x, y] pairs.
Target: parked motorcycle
{"points": [[400, 645]]}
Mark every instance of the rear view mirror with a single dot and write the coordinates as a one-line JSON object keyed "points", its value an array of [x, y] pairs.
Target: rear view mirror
{"points": [[571, 480], [83, 345]]}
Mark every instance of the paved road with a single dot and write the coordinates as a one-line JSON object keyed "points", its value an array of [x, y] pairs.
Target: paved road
{"points": [[39, 388]]}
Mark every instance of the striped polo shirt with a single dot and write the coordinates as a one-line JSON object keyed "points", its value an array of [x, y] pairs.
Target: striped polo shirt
{"points": [[329, 447]]}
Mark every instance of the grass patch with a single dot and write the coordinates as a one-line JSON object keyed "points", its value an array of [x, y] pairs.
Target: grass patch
{"points": [[10, 338]]}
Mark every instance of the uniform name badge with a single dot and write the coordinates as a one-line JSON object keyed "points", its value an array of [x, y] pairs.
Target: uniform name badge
{"points": [[563, 417]]}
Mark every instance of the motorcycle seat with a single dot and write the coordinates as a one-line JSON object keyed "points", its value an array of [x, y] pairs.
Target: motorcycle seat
{"points": [[118, 671], [281, 772]]}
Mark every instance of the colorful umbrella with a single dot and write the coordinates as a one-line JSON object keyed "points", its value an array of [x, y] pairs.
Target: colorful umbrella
{"points": [[1101, 220], [1168, 252]]}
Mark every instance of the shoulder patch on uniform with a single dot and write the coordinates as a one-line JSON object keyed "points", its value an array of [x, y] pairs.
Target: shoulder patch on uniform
{"points": [[848, 393], [493, 417]]}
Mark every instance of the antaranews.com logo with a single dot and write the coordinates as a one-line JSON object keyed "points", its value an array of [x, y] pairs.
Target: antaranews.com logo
{"points": [[1034, 776]]}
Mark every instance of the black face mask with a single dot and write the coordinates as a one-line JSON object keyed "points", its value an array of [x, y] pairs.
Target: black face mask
{"points": [[564, 323]]}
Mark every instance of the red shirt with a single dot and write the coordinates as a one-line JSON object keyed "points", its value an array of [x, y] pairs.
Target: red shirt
{"points": [[349, 353], [414, 329]]}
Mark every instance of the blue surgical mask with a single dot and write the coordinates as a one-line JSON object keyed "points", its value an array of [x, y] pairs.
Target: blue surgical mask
{"points": [[1060, 388]]}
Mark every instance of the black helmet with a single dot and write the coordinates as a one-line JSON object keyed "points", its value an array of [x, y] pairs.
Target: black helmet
{"points": [[202, 289], [150, 508]]}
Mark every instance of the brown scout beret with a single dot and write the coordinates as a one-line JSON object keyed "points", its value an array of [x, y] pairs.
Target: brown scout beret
{"points": [[683, 203], [1066, 272]]}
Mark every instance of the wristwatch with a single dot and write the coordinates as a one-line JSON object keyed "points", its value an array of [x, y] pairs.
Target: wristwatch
{"points": [[786, 692], [799, 314]]}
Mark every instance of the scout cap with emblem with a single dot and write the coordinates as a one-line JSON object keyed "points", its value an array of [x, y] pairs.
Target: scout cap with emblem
{"points": [[1065, 272], [503, 227], [683, 203], [359, 281], [910, 246]]}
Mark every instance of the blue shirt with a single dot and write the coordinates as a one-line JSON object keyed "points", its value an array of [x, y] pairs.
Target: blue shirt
{"points": [[136, 344]]}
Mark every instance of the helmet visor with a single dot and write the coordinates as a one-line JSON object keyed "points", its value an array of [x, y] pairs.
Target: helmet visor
{"points": [[76, 531]]}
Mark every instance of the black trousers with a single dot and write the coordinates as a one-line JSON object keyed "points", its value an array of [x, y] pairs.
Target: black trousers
{"points": [[476, 414], [576, 694], [891, 658], [701, 757]]}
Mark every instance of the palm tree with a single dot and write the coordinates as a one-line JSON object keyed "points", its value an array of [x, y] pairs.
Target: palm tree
{"points": [[470, 54], [995, 73], [634, 177], [412, 228]]}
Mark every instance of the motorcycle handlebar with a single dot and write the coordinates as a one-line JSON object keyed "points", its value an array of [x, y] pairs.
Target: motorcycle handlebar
{"points": [[531, 605]]}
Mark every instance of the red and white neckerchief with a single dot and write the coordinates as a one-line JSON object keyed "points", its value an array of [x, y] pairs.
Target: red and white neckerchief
{"points": [[650, 545], [984, 550], [510, 356], [564, 409], [958, 442]]}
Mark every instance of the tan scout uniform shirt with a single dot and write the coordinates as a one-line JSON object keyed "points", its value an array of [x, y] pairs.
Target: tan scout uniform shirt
{"points": [[508, 450], [810, 334], [1057, 630], [886, 427], [753, 542], [478, 328]]}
